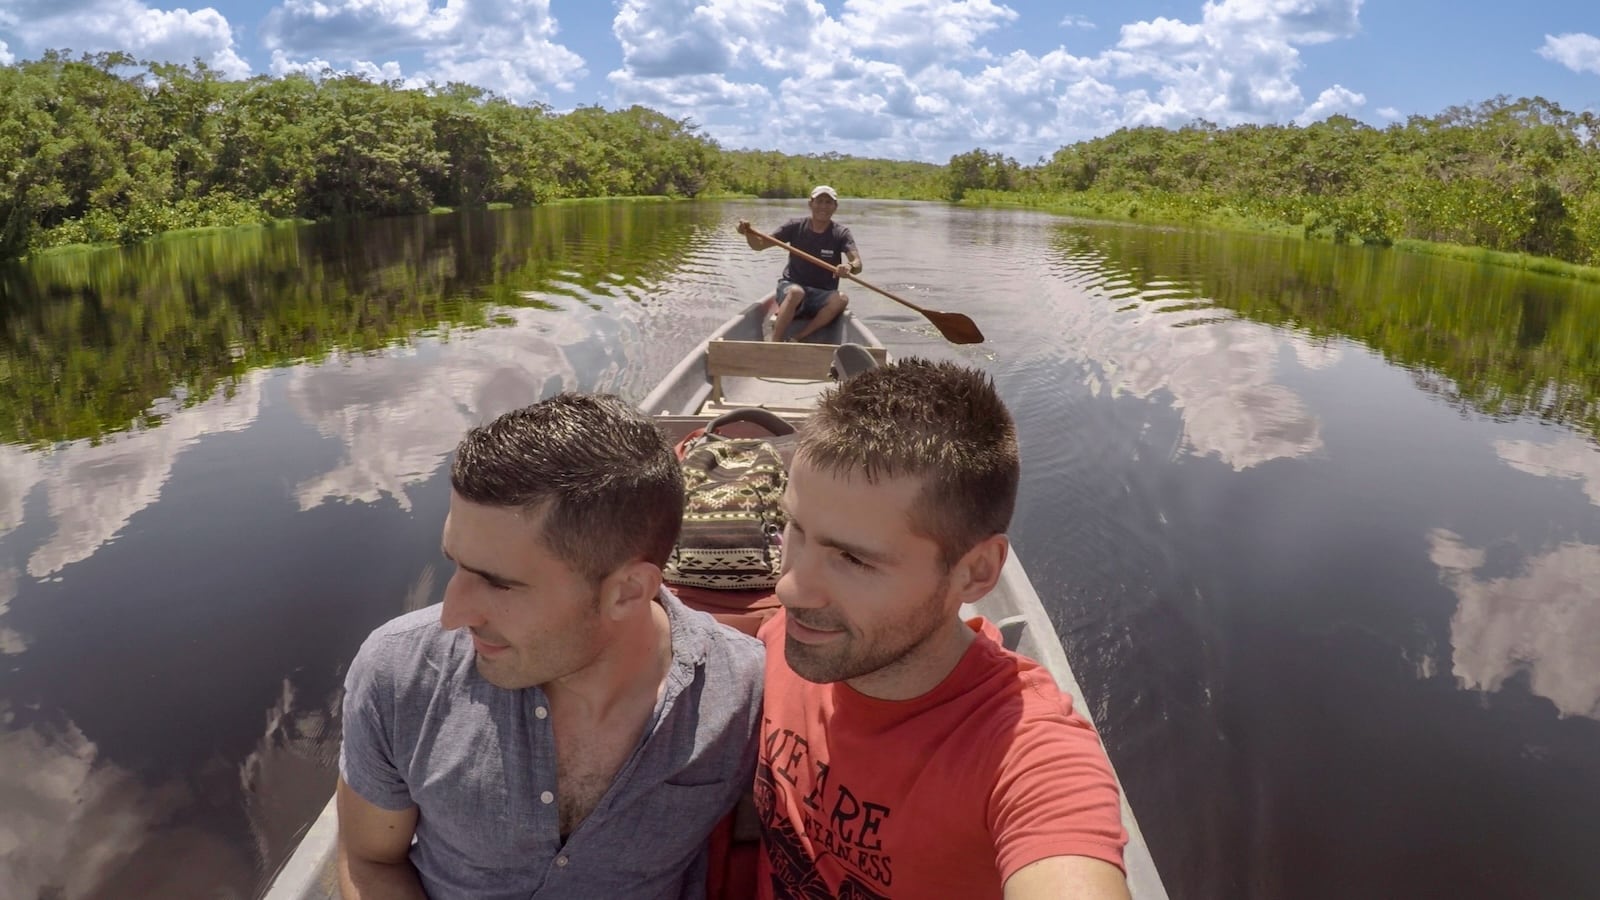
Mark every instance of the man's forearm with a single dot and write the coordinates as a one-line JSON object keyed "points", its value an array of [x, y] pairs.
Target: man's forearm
{"points": [[361, 879]]}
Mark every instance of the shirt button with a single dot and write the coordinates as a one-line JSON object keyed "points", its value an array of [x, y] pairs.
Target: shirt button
{"points": [[561, 861], [547, 797], [540, 711]]}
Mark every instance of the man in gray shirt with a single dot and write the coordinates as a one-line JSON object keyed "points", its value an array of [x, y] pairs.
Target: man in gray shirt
{"points": [[560, 726]]}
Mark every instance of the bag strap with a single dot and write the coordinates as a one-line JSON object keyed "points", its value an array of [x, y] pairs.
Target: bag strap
{"points": [[766, 418]]}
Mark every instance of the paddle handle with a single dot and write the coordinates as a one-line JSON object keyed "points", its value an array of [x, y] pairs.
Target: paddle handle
{"points": [[822, 265]]}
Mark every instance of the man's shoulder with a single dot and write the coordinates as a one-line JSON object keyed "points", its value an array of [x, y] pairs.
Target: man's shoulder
{"points": [[398, 646], [1010, 684], [418, 627], [720, 648]]}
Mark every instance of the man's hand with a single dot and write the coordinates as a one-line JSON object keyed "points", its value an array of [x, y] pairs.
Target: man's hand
{"points": [[843, 269], [754, 238]]}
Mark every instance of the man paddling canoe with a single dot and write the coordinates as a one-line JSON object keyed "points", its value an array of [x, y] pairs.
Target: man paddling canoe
{"points": [[806, 290]]}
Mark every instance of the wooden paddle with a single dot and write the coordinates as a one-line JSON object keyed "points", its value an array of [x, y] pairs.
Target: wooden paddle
{"points": [[956, 328]]}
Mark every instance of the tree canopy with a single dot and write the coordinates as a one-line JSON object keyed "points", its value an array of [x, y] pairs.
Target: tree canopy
{"points": [[104, 147], [1519, 176]]}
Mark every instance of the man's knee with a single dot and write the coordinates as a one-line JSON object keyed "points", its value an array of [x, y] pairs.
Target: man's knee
{"points": [[844, 299], [792, 295]]}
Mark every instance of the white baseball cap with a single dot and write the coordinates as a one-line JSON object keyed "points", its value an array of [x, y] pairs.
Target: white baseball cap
{"points": [[821, 189]]}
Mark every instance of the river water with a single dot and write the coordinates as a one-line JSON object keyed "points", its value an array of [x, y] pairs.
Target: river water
{"points": [[1319, 526]]}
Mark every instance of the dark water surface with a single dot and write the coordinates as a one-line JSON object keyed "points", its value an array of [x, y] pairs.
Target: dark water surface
{"points": [[1319, 526]]}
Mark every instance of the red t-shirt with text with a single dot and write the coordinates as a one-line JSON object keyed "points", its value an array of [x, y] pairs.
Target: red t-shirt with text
{"points": [[945, 795]]}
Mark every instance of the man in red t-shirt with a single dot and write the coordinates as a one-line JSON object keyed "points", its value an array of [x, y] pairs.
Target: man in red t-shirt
{"points": [[904, 752]]}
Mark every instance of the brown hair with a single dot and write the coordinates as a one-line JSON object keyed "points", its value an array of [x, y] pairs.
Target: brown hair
{"points": [[601, 473], [938, 421]]}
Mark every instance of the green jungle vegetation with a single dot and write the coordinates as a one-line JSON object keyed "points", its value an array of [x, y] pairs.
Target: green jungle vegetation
{"points": [[1517, 178], [107, 148], [103, 148]]}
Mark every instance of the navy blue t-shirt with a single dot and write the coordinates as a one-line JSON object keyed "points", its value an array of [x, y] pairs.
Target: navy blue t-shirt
{"points": [[830, 246]]}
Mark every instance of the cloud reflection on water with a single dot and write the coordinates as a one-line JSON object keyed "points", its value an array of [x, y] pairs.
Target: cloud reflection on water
{"points": [[1568, 458], [94, 489], [399, 415], [11, 642], [1542, 620], [1221, 375], [77, 825]]}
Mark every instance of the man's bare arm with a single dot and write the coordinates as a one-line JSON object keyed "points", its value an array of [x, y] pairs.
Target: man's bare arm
{"points": [[374, 850], [1067, 878]]}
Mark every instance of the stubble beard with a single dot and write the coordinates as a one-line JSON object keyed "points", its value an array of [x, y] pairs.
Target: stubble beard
{"points": [[557, 656], [854, 656]]}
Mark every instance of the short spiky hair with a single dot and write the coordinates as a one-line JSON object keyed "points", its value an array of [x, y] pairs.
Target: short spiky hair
{"points": [[601, 474], [938, 421]]}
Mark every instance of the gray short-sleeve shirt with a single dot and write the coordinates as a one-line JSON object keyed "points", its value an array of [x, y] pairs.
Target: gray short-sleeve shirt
{"points": [[422, 728]]}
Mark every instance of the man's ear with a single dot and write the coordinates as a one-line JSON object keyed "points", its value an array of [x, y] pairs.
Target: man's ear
{"points": [[975, 574], [631, 585]]}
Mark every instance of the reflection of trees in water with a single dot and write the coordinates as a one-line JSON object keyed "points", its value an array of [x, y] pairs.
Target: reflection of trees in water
{"points": [[1543, 620], [91, 341], [1505, 341]]}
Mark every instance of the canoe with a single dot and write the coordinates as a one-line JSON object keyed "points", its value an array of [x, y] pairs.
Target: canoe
{"points": [[734, 368]]}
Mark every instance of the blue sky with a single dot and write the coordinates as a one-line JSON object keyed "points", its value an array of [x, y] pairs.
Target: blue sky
{"points": [[910, 79]]}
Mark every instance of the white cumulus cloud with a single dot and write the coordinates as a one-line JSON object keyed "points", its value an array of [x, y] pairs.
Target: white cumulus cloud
{"points": [[928, 78], [1337, 99], [913, 34], [1294, 21], [169, 35], [1578, 52], [506, 46], [316, 67]]}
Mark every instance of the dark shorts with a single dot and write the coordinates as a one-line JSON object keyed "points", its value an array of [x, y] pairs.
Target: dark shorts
{"points": [[810, 304]]}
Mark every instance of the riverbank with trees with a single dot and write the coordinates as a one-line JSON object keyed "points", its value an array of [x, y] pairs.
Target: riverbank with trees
{"points": [[106, 148], [1506, 181]]}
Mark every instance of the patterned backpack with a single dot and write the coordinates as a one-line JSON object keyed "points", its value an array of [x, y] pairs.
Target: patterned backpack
{"points": [[732, 524]]}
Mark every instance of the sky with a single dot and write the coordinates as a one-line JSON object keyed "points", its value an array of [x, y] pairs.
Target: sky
{"points": [[900, 79]]}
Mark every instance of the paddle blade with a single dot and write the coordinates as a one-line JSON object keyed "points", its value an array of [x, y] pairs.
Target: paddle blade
{"points": [[956, 328]]}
